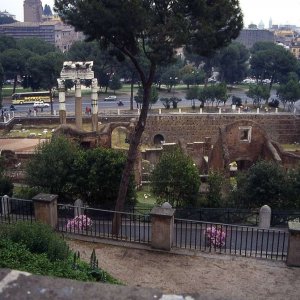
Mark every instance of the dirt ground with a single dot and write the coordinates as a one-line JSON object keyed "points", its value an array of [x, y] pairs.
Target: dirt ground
{"points": [[218, 276]]}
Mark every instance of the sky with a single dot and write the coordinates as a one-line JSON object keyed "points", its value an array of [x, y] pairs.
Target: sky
{"points": [[281, 12]]}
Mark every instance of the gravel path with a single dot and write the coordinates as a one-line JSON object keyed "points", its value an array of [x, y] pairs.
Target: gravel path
{"points": [[219, 276]]}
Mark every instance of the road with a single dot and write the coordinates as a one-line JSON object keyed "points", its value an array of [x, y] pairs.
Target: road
{"points": [[112, 105]]}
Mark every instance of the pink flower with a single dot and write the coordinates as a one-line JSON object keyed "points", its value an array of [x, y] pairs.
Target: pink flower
{"points": [[81, 222], [215, 236]]}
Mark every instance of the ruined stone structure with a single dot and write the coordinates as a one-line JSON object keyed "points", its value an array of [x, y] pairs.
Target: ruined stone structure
{"points": [[245, 142], [283, 128]]}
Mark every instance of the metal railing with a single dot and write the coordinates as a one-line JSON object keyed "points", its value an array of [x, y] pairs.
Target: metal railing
{"points": [[231, 239], [14, 209], [133, 227]]}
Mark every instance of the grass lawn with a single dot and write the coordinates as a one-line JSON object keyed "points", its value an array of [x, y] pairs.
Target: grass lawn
{"points": [[291, 147]]}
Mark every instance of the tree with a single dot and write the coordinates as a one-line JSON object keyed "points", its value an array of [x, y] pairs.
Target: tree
{"points": [[6, 186], [115, 83], [233, 63], [96, 176], [156, 29], [47, 10], [36, 46], [192, 94], [50, 169], [175, 179], [258, 92], [289, 92], [7, 42], [138, 98], [262, 184], [1, 83], [13, 62], [292, 199], [44, 71], [271, 61], [215, 181], [6, 20]]}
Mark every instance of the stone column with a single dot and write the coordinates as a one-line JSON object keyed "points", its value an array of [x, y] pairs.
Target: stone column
{"points": [[162, 221], [265, 217], [94, 98], [45, 209], [62, 102], [293, 255], [5, 205], [78, 105]]}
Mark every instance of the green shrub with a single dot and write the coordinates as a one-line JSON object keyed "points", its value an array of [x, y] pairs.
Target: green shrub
{"points": [[38, 238], [6, 186], [26, 192], [17, 256]]}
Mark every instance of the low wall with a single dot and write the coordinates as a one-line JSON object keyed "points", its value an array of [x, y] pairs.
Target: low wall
{"points": [[282, 128]]}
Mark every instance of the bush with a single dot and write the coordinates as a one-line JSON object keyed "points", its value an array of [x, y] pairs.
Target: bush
{"points": [[18, 256], [37, 238], [6, 186], [26, 192]]}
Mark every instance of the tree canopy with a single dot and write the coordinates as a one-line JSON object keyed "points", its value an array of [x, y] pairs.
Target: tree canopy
{"points": [[271, 61], [156, 29], [175, 179]]}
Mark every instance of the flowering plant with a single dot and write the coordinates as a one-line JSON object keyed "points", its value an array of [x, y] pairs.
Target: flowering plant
{"points": [[81, 222], [215, 236]]}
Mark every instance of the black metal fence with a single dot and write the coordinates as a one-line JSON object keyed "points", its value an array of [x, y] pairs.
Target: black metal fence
{"points": [[227, 215], [14, 209], [98, 223], [231, 239]]}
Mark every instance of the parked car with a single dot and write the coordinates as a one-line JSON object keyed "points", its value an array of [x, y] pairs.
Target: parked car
{"points": [[40, 104], [110, 98]]}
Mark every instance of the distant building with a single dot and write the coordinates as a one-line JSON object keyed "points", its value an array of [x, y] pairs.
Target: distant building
{"points": [[54, 32], [284, 36], [248, 37], [33, 10], [261, 25]]}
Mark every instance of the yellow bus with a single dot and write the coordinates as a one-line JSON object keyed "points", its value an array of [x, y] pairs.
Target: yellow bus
{"points": [[30, 97]]}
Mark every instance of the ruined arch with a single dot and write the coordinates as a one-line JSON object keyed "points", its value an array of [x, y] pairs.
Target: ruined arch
{"points": [[245, 142], [158, 139]]}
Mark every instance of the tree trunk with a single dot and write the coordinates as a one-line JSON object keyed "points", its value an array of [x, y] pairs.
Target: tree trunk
{"points": [[131, 91], [51, 101], [131, 156]]}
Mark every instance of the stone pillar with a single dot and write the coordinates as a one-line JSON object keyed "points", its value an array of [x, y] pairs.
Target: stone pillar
{"points": [[45, 209], [94, 98], [78, 208], [78, 105], [257, 110], [293, 255], [162, 221], [62, 102], [159, 111], [5, 205], [201, 110], [265, 217]]}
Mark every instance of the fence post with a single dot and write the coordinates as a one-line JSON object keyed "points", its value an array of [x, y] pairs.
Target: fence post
{"points": [[293, 254], [162, 222], [265, 217], [5, 205], [45, 209]]}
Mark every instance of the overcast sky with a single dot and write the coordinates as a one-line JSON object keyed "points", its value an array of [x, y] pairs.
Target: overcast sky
{"points": [[281, 12]]}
